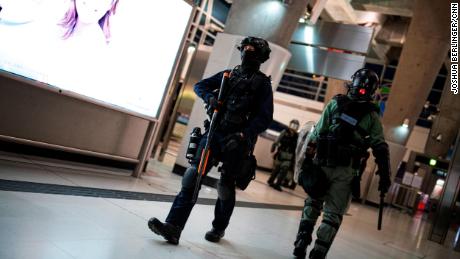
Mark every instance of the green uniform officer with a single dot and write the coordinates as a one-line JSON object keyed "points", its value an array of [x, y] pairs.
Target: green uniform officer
{"points": [[349, 125], [283, 160]]}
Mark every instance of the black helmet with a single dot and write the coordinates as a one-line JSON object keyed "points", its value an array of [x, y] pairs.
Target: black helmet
{"points": [[294, 124], [261, 47], [363, 84]]}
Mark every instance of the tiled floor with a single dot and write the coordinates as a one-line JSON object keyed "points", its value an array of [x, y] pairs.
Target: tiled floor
{"points": [[34, 225]]}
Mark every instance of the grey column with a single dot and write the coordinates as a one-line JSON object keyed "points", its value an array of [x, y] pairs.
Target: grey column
{"points": [[268, 19], [446, 123], [334, 87], [443, 216], [424, 51]]}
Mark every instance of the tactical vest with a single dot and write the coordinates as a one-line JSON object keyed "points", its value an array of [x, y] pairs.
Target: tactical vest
{"points": [[340, 145], [239, 100], [345, 121], [288, 142]]}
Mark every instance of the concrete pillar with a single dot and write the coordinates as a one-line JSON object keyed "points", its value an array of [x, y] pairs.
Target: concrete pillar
{"points": [[334, 87], [268, 19], [444, 212], [318, 8], [424, 51], [446, 123]]}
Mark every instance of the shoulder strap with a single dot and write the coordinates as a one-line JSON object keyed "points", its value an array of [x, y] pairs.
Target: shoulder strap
{"points": [[233, 72], [342, 102]]}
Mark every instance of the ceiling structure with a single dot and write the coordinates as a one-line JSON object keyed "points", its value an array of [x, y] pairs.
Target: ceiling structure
{"points": [[388, 7], [389, 18]]}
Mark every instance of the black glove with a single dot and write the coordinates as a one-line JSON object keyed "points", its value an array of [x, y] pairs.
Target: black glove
{"points": [[384, 182], [212, 103], [382, 159], [311, 150], [232, 141]]}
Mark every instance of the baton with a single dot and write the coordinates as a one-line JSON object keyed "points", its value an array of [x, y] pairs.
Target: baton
{"points": [[382, 197]]}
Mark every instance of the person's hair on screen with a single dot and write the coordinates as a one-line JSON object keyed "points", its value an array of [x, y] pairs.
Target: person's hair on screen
{"points": [[71, 18]]}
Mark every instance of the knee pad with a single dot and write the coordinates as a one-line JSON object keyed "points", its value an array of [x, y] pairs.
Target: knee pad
{"points": [[224, 191], [328, 229], [189, 178], [333, 218], [314, 203], [284, 168]]}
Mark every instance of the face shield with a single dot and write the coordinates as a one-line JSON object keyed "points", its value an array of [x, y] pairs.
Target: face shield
{"points": [[363, 85]]}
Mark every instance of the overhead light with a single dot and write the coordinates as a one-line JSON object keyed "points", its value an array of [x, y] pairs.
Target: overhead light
{"points": [[433, 162], [427, 105], [191, 49], [273, 6], [286, 2], [439, 137], [405, 123]]}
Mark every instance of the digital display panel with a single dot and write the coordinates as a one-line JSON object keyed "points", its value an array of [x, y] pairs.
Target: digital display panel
{"points": [[120, 52]]}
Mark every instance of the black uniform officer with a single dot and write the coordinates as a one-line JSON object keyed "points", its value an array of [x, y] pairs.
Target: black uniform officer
{"points": [[247, 111]]}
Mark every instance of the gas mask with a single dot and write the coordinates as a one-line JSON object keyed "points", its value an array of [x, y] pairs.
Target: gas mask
{"points": [[254, 51], [249, 59]]}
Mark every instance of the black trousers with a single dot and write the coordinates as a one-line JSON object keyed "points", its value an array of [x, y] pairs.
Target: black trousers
{"points": [[231, 159]]}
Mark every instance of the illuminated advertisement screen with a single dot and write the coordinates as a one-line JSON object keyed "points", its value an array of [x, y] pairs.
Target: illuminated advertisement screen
{"points": [[120, 52]]}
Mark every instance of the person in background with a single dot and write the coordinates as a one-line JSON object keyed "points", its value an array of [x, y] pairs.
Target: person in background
{"points": [[283, 161]]}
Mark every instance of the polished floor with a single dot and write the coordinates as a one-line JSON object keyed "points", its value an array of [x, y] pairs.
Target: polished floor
{"points": [[48, 226]]}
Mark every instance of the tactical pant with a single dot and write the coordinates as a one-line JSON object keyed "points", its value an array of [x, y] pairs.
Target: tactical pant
{"points": [[183, 205], [289, 180], [333, 204], [279, 173], [281, 166]]}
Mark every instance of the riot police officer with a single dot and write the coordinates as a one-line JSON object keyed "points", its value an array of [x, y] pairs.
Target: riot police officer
{"points": [[348, 126], [247, 111], [284, 157]]}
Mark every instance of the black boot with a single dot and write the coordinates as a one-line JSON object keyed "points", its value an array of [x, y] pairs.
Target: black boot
{"points": [[303, 239], [316, 254], [271, 180], [214, 235], [285, 183], [170, 232], [277, 187], [301, 244]]}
